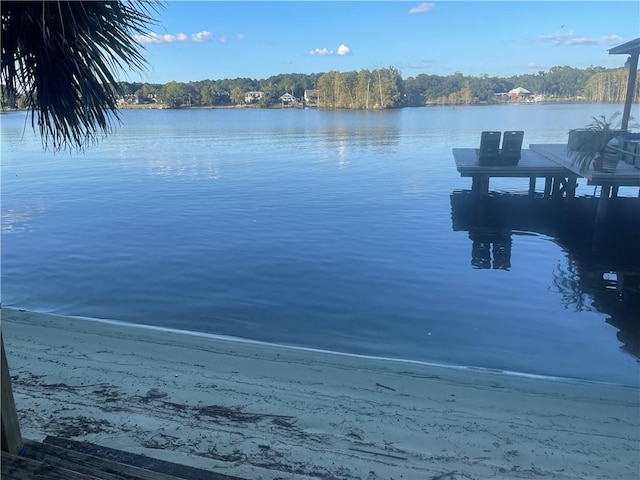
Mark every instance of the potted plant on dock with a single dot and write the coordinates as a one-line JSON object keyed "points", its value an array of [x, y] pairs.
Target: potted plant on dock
{"points": [[588, 146]]}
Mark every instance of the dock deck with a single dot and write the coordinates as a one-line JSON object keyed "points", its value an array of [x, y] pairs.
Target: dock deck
{"points": [[559, 180], [553, 163], [626, 175]]}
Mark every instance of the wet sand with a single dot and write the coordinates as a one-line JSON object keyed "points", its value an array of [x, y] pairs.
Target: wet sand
{"points": [[262, 411]]}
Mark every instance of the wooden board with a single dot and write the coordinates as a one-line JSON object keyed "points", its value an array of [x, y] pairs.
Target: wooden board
{"points": [[531, 164], [112, 456], [87, 464], [61, 459], [19, 468], [626, 175]]}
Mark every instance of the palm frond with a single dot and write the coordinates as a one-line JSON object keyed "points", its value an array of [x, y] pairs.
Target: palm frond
{"points": [[65, 57]]}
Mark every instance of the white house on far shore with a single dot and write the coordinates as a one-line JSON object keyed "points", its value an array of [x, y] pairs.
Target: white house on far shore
{"points": [[519, 92], [288, 100], [250, 97]]}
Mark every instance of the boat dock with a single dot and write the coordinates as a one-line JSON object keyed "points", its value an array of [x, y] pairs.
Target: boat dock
{"points": [[553, 163], [626, 175], [532, 165]]}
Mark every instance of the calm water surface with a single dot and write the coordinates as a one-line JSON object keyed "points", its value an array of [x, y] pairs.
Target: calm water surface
{"points": [[346, 231]]}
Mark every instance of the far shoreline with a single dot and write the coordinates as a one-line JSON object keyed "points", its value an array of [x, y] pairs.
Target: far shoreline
{"points": [[160, 106]]}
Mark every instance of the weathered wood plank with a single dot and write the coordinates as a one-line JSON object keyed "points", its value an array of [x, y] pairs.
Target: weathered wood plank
{"points": [[11, 437], [19, 468], [140, 461], [48, 461], [88, 464], [531, 164], [626, 175]]}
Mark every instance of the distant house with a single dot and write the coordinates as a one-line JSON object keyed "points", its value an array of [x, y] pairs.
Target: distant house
{"points": [[128, 99], [144, 99], [132, 99], [311, 97], [221, 98], [288, 100], [519, 92], [250, 97]]}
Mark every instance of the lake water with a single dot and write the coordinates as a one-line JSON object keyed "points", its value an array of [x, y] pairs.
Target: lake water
{"points": [[344, 231]]}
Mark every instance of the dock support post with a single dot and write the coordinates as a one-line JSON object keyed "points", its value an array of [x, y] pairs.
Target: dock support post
{"points": [[572, 183], [11, 437], [484, 184], [555, 189], [547, 186], [475, 184], [532, 187], [480, 184]]}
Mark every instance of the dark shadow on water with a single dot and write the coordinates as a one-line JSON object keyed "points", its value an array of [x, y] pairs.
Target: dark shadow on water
{"points": [[491, 249], [602, 271]]}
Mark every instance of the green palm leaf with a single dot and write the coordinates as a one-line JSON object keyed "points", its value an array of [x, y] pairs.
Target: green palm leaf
{"points": [[65, 56]]}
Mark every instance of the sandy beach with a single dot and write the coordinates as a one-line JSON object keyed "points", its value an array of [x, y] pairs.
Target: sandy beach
{"points": [[262, 411]]}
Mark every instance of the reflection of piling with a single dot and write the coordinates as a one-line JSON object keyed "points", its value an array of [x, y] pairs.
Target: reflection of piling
{"points": [[480, 252], [502, 253], [486, 244]]}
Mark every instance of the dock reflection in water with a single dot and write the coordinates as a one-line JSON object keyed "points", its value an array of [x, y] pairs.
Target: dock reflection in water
{"points": [[491, 249], [602, 271]]}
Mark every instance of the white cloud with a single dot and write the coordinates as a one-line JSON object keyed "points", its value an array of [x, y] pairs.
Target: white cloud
{"points": [[422, 8], [240, 36], [203, 36], [157, 38], [571, 39], [321, 51], [222, 39], [343, 50]]}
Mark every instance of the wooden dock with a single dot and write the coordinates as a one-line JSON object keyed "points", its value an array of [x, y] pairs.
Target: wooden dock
{"points": [[553, 163], [559, 180], [626, 175]]}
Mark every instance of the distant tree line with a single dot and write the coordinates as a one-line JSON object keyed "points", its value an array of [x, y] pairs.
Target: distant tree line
{"points": [[381, 88]]}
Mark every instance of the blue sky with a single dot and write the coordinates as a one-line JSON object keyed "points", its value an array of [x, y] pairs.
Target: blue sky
{"points": [[197, 40]]}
